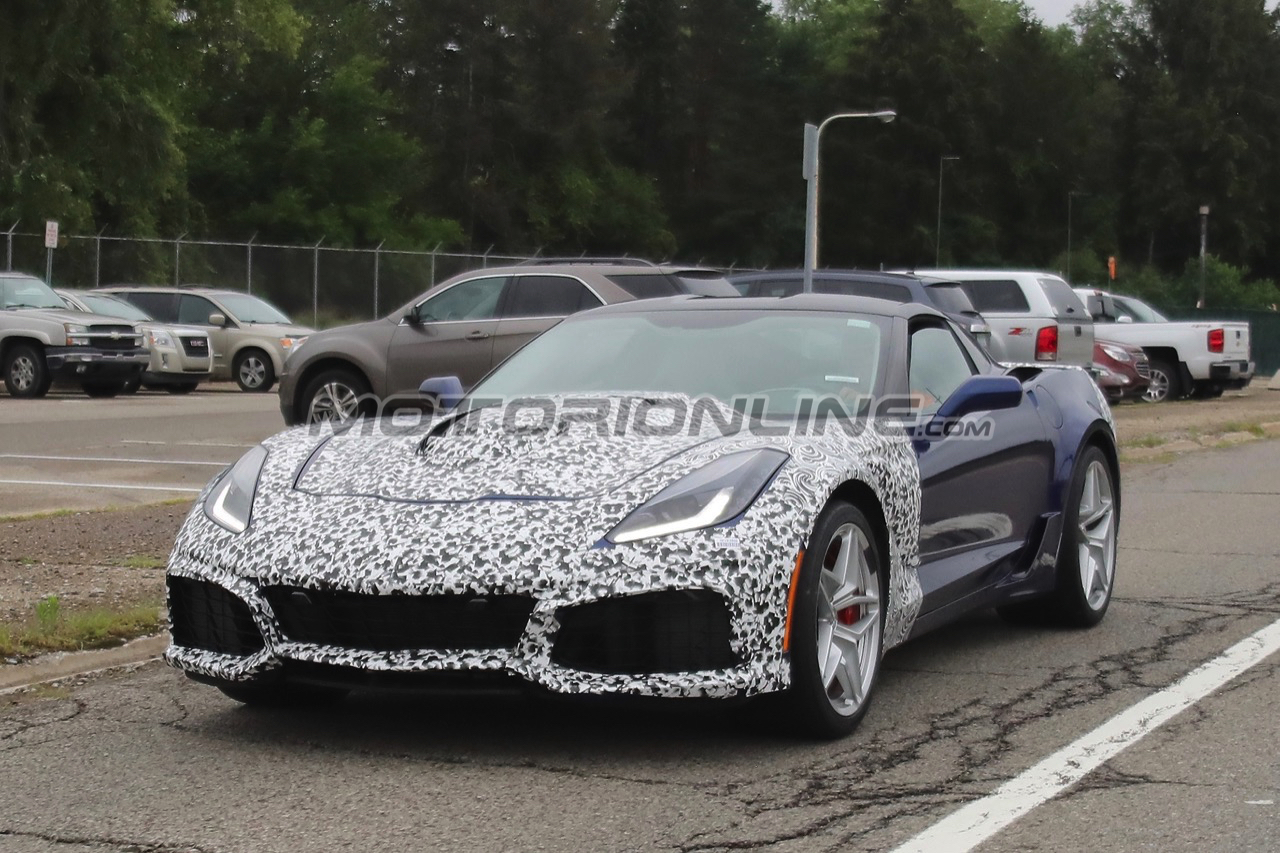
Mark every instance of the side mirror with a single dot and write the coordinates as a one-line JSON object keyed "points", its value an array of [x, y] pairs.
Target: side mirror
{"points": [[216, 319], [981, 394], [1124, 318], [445, 391], [412, 317]]}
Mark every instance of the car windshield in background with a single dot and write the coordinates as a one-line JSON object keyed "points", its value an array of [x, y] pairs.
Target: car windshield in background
{"points": [[251, 309], [28, 293], [728, 355], [1138, 311], [110, 307]]}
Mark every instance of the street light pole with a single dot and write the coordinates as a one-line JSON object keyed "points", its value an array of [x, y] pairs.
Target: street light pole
{"points": [[809, 169], [937, 243], [1204, 239]]}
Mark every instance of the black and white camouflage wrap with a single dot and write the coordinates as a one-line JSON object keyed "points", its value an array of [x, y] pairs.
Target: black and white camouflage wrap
{"points": [[485, 510]]}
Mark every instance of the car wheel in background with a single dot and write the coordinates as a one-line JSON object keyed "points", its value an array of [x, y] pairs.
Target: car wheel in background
{"points": [[103, 389], [836, 625], [181, 388], [131, 386], [335, 395], [1165, 383], [25, 372], [252, 371], [1206, 391]]}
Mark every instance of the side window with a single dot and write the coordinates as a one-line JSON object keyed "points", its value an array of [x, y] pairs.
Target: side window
{"points": [[548, 296], [1063, 299], [938, 366], [476, 299], [995, 297], [195, 310], [162, 306]]}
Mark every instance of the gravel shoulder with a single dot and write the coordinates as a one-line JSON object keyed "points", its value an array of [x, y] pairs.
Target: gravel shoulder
{"points": [[115, 558]]}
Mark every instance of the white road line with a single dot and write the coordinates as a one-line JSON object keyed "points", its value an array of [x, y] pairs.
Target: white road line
{"points": [[976, 822], [121, 486], [186, 443], [121, 459]]}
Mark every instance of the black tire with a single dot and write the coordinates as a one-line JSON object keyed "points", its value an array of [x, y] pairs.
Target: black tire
{"points": [[841, 530], [1070, 603], [283, 695], [253, 371], [1204, 390], [108, 388], [181, 388], [26, 375], [336, 392], [131, 386], [1166, 382]]}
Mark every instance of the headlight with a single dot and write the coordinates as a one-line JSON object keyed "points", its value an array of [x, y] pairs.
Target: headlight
{"points": [[291, 343], [712, 495], [76, 334], [1116, 353], [231, 500], [160, 339]]}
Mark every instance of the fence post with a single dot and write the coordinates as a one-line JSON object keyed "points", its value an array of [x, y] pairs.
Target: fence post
{"points": [[377, 258], [97, 258], [8, 264], [315, 283], [177, 260], [248, 266], [433, 265]]}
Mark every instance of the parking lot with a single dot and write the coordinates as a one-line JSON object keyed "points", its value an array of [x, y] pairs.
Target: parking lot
{"points": [[146, 760]]}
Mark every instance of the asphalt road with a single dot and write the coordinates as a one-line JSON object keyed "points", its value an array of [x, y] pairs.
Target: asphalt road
{"points": [[67, 451], [149, 761]]}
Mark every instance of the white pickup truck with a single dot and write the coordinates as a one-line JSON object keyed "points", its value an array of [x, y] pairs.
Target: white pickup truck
{"points": [[1200, 358]]}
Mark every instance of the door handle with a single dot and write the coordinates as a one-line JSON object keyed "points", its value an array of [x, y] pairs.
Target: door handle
{"points": [[477, 335]]}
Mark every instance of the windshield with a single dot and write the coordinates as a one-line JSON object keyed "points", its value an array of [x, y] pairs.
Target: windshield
{"points": [[28, 292], [725, 354], [109, 306], [250, 309], [1137, 310]]}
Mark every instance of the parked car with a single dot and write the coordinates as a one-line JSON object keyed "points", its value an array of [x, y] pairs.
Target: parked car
{"points": [[181, 357], [705, 560], [250, 337], [1035, 316], [1122, 371], [947, 296], [42, 342], [465, 326], [1200, 358]]}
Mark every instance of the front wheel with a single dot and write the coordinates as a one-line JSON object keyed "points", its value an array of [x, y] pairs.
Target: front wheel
{"points": [[103, 389], [25, 372], [336, 395], [837, 624], [253, 371], [181, 388]]}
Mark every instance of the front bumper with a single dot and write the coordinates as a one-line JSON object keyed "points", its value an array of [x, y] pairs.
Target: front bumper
{"points": [[79, 363]]}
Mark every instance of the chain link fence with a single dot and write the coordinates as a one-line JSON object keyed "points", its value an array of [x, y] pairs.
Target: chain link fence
{"points": [[317, 285]]}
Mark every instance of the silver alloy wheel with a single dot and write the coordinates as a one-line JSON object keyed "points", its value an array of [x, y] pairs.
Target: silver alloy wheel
{"points": [[848, 621], [1157, 387], [253, 372], [23, 373], [333, 401], [1096, 535]]}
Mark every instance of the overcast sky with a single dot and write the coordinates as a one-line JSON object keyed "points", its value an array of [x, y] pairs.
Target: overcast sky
{"points": [[1052, 12]]}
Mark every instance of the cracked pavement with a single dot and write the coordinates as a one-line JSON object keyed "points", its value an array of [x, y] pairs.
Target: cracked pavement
{"points": [[151, 762]]}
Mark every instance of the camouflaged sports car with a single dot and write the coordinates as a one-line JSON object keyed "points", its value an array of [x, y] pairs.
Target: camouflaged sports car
{"points": [[691, 497]]}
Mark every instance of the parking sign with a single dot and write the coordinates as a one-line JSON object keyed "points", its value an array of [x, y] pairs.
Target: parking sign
{"points": [[51, 234]]}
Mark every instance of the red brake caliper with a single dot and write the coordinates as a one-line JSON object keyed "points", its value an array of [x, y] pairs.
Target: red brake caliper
{"points": [[849, 615]]}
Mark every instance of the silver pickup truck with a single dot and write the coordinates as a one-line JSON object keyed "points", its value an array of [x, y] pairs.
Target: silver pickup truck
{"points": [[41, 342], [1198, 359]]}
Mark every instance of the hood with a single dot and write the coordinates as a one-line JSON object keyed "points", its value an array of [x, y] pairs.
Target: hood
{"points": [[81, 318], [479, 457], [278, 330]]}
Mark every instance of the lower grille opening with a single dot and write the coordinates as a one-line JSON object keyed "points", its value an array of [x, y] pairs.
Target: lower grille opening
{"points": [[673, 631], [443, 681], [387, 623], [206, 616]]}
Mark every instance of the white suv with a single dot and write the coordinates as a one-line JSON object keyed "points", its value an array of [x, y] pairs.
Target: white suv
{"points": [[1035, 316]]}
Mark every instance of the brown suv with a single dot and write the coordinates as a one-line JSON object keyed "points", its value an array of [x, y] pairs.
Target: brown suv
{"points": [[464, 327]]}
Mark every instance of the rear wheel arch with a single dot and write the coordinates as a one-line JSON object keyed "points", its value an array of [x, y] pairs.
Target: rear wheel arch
{"points": [[1098, 436]]}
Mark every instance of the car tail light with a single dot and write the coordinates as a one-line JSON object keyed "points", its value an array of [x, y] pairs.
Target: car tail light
{"points": [[1047, 344], [1217, 339]]}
